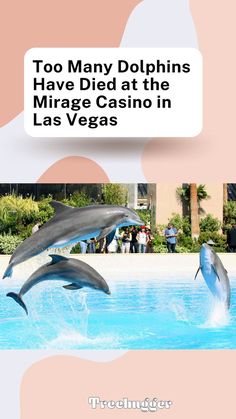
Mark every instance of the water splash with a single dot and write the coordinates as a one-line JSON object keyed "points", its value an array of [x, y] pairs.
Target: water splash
{"points": [[219, 315], [85, 310], [55, 324], [178, 308]]}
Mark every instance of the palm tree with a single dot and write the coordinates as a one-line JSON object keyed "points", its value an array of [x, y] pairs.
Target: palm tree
{"points": [[225, 193], [194, 210]]}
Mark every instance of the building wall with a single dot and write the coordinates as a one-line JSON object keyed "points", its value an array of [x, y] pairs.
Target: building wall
{"points": [[167, 202], [214, 205]]}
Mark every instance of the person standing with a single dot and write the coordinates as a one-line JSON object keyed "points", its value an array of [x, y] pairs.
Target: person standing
{"points": [[92, 245], [134, 240], [150, 239], [102, 245], [125, 239], [142, 240], [231, 239], [83, 246], [171, 238]]}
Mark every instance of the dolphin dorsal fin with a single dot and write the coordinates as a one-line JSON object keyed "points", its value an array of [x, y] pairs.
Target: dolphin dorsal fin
{"points": [[59, 207], [57, 259]]}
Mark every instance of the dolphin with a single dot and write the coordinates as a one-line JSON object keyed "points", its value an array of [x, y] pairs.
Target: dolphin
{"points": [[215, 274], [79, 274], [71, 225]]}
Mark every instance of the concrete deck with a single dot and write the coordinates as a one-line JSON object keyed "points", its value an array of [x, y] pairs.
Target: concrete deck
{"points": [[133, 266]]}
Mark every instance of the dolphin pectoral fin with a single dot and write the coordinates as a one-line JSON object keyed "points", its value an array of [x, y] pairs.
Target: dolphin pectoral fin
{"points": [[56, 259], [72, 286], [8, 272], [197, 273], [18, 299], [105, 232], [214, 269], [110, 237]]}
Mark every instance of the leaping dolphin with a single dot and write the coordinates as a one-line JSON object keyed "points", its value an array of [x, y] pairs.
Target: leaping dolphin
{"points": [[71, 225], [79, 274], [215, 274]]}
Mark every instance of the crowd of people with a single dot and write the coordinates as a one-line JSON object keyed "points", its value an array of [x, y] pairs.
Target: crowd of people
{"points": [[130, 240], [127, 240]]}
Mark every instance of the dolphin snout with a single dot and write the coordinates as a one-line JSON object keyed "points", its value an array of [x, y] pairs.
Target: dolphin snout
{"points": [[108, 292]]}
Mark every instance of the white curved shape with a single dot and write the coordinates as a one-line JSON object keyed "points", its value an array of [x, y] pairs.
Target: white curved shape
{"points": [[13, 365], [160, 23], [25, 159]]}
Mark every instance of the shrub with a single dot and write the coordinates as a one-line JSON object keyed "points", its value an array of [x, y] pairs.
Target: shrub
{"points": [[45, 210], [218, 239], [75, 249], [229, 212], [145, 216], [16, 212], [185, 241], [209, 223], [182, 249], [181, 223], [9, 243], [159, 244], [25, 231], [78, 199]]}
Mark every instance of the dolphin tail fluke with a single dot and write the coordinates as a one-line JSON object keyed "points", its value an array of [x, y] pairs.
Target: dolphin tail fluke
{"points": [[8, 271], [18, 299]]}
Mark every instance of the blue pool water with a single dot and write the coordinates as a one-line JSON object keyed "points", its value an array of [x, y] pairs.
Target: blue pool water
{"points": [[150, 314]]}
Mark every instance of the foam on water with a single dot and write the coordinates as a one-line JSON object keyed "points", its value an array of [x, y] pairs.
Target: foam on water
{"points": [[73, 339]]}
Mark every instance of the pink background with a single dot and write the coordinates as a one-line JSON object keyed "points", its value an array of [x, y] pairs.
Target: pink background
{"points": [[200, 383]]}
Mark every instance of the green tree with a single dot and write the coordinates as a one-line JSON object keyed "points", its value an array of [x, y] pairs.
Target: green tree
{"points": [[184, 195], [191, 196], [114, 194]]}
